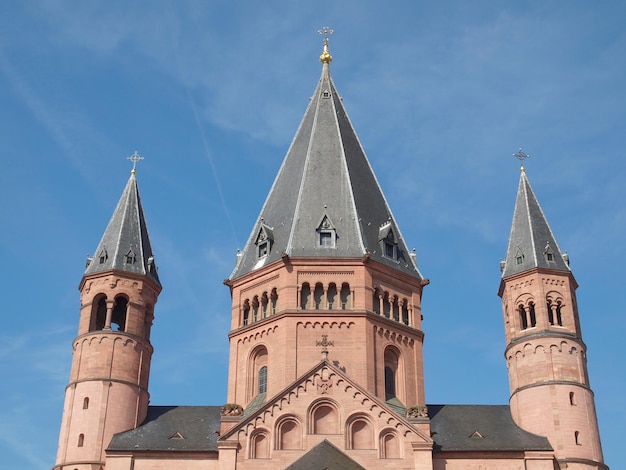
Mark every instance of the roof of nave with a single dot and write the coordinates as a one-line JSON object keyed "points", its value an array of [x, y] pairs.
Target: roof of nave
{"points": [[480, 428], [531, 242], [173, 428], [125, 244], [325, 184]]}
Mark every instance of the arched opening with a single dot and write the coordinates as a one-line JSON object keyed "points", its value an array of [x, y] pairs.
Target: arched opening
{"points": [[550, 313], [325, 419], [332, 296], [389, 445], [360, 434], [246, 312], [531, 312], [572, 399], [376, 301], [118, 318], [559, 318], [396, 309], [255, 308], [289, 435], [260, 445], [274, 299], [522, 317], [318, 296], [98, 313], [264, 303], [81, 440], [386, 306], [305, 295], [345, 296], [405, 311], [86, 403], [577, 438]]}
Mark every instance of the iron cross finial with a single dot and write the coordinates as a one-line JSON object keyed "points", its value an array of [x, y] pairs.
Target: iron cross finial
{"points": [[324, 343], [325, 31], [520, 155], [135, 157]]}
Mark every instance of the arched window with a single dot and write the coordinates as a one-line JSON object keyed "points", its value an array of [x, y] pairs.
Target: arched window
{"points": [[332, 296], [264, 302], [262, 382], [318, 296], [305, 294], [531, 311], [577, 438], [85, 403], [405, 311], [386, 306], [255, 308], [345, 296], [246, 312], [257, 371], [572, 399], [391, 373], [559, 319], [522, 317], [550, 313], [81, 440], [395, 308], [376, 301], [118, 319], [274, 298], [98, 313]]}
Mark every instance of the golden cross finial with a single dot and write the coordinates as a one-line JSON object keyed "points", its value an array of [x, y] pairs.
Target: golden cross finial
{"points": [[521, 156], [135, 157], [326, 58]]}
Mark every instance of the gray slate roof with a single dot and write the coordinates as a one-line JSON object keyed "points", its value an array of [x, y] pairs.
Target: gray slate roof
{"points": [[325, 181], [324, 456], [460, 427], [173, 428], [126, 235], [531, 237]]}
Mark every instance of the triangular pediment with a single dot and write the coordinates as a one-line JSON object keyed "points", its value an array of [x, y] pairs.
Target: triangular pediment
{"points": [[325, 403], [325, 456]]}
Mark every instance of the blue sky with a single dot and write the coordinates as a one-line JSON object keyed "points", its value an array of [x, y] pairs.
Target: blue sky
{"points": [[211, 93]]}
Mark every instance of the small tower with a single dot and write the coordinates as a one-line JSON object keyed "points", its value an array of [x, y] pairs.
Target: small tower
{"points": [[545, 352], [108, 387]]}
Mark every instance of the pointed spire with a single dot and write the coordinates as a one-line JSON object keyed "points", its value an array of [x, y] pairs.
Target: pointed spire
{"points": [[325, 201], [531, 242], [125, 245]]}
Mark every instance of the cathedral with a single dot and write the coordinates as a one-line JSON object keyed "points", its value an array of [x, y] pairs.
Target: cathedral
{"points": [[326, 367]]}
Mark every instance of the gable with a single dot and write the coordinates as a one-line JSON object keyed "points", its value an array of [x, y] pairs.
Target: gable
{"points": [[325, 405]]}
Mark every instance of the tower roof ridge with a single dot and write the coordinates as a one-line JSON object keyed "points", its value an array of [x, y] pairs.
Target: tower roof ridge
{"points": [[125, 244], [326, 172], [532, 243]]}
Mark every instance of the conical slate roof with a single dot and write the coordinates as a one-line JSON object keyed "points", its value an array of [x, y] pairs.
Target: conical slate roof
{"points": [[125, 245], [531, 243], [325, 201]]}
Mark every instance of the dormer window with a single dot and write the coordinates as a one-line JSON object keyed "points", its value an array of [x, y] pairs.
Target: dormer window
{"points": [[388, 241], [264, 240], [547, 252], [519, 257], [130, 257], [327, 234], [326, 94], [102, 257]]}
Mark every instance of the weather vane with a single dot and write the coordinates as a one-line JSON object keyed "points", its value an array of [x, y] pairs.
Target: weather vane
{"points": [[135, 157], [521, 156]]}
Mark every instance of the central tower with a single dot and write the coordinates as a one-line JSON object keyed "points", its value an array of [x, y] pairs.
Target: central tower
{"points": [[326, 271]]}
